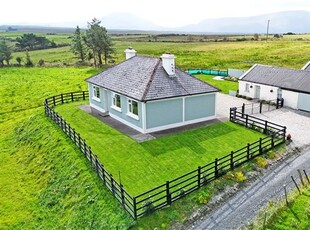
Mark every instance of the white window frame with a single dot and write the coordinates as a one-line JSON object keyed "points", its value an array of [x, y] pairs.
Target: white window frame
{"points": [[247, 87], [114, 102], [130, 112], [96, 93]]}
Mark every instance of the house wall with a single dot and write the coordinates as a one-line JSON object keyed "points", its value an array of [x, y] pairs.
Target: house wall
{"points": [[99, 105], [304, 101], [171, 113], [265, 91], [290, 98], [123, 115], [197, 107], [164, 112]]}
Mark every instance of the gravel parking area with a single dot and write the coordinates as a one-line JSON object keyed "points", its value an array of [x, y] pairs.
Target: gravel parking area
{"points": [[297, 122]]}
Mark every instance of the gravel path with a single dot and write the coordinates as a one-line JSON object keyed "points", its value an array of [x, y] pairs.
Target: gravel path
{"points": [[245, 205]]}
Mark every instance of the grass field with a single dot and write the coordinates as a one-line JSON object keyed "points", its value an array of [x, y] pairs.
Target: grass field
{"points": [[48, 184], [224, 85], [148, 164]]}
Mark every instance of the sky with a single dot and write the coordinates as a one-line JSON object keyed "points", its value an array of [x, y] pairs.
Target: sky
{"points": [[166, 13]]}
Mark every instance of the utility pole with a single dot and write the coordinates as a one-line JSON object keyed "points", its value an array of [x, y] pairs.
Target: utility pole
{"points": [[267, 30]]}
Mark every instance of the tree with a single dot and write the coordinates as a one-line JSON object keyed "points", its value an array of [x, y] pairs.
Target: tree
{"points": [[256, 37], [19, 60], [98, 41], [78, 45], [28, 63], [32, 41], [5, 52]]}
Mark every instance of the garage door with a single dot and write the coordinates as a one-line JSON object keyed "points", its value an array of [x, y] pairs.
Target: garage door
{"points": [[304, 102]]}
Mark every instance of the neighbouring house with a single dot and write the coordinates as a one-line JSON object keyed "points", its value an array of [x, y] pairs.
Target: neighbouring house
{"points": [[150, 94], [269, 83]]}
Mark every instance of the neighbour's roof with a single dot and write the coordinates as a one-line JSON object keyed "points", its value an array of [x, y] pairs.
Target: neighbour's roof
{"points": [[285, 78], [144, 79]]}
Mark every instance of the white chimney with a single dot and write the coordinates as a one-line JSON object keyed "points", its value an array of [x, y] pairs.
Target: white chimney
{"points": [[168, 63], [130, 52]]}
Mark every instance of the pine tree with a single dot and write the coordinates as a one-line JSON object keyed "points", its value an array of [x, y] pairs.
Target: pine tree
{"points": [[78, 46]]}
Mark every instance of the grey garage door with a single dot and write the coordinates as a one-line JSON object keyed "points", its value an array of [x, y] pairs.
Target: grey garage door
{"points": [[304, 101]]}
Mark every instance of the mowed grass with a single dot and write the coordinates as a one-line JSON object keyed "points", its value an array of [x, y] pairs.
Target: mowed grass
{"points": [[145, 165], [223, 85]]}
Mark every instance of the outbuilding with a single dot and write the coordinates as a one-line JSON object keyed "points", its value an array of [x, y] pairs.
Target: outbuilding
{"points": [[150, 94], [269, 83]]}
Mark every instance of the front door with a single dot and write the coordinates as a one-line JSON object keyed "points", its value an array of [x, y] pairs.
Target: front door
{"points": [[257, 91]]}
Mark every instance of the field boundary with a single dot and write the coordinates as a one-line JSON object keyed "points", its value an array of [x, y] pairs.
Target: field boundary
{"points": [[163, 195]]}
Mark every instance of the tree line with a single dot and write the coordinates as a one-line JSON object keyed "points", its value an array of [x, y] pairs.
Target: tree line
{"points": [[95, 43]]}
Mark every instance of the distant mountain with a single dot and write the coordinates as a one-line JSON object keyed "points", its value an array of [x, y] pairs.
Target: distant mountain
{"points": [[280, 22], [127, 21]]}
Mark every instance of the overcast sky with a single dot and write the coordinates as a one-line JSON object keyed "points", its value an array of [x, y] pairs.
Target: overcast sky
{"points": [[167, 13]]}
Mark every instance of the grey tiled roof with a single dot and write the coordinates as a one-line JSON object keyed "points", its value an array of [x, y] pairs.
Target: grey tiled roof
{"points": [[293, 79], [144, 79]]}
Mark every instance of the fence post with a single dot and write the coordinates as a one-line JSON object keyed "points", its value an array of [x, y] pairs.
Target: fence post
{"points": [[62, 98], [103, 174], [74, 135], [85, 147], [246, 120], [216, 172], [232, 160], [243, 109], [199, 176], [282, 102], [54, 102], [135, 208], [72, 99], [122, 195], [260, 146], [112, 184], [84, 95], [260, 107], [272, 140], [284, 133], [79, 141], [266, 126], [248, 151], [168, 193]]}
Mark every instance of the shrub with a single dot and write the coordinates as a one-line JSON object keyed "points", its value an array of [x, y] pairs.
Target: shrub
{"points": [[261, 162], [149, 206], [271, 155], [203, 197], [237, 176], [41, 62]]}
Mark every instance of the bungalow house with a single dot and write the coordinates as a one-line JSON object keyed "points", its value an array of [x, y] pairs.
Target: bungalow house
{"points": [[270, 82], [150, 94]]}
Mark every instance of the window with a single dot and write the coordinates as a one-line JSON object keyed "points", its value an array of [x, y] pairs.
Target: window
{"points": [[96, 93], [116, 101], [133, 107], [247, 87]]}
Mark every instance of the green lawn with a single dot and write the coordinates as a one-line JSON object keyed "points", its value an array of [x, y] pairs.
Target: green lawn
{"points": [[223, 85], [148, 164]]}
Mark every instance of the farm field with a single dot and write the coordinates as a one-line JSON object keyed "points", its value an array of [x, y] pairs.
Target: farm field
{"points": [[224, 85], [151, 163], [47, 183]]}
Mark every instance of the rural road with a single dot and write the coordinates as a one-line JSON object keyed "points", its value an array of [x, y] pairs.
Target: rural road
{"points": [[245, 205]]}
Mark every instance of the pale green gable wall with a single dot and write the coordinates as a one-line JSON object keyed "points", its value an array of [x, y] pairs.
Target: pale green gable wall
{"points": [[197, 107], [123, 114], [164, 112], [94, 102]]}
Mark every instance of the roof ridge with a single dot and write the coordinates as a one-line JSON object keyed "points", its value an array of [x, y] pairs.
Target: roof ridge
{"points": [[150, 80]]}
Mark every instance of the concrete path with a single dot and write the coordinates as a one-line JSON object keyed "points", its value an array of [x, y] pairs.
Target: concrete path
{"points": [[246, 204]]}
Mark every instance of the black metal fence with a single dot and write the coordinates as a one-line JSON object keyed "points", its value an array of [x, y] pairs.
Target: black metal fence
{"points": [[163, 195], [261, 106]]}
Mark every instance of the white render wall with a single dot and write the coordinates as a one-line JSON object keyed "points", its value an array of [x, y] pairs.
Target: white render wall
{"points": [[265, 91], [290, 98]]}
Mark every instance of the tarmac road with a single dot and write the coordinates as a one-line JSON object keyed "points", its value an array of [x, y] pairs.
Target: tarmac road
{"points": [[245, 205]]}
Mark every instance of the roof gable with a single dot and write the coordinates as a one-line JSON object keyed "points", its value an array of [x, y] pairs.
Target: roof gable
{"points": [[144, 79], [293, 79]]}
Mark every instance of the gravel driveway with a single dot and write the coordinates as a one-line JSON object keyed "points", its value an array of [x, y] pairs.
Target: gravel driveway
{"points": [[245, 205]]}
